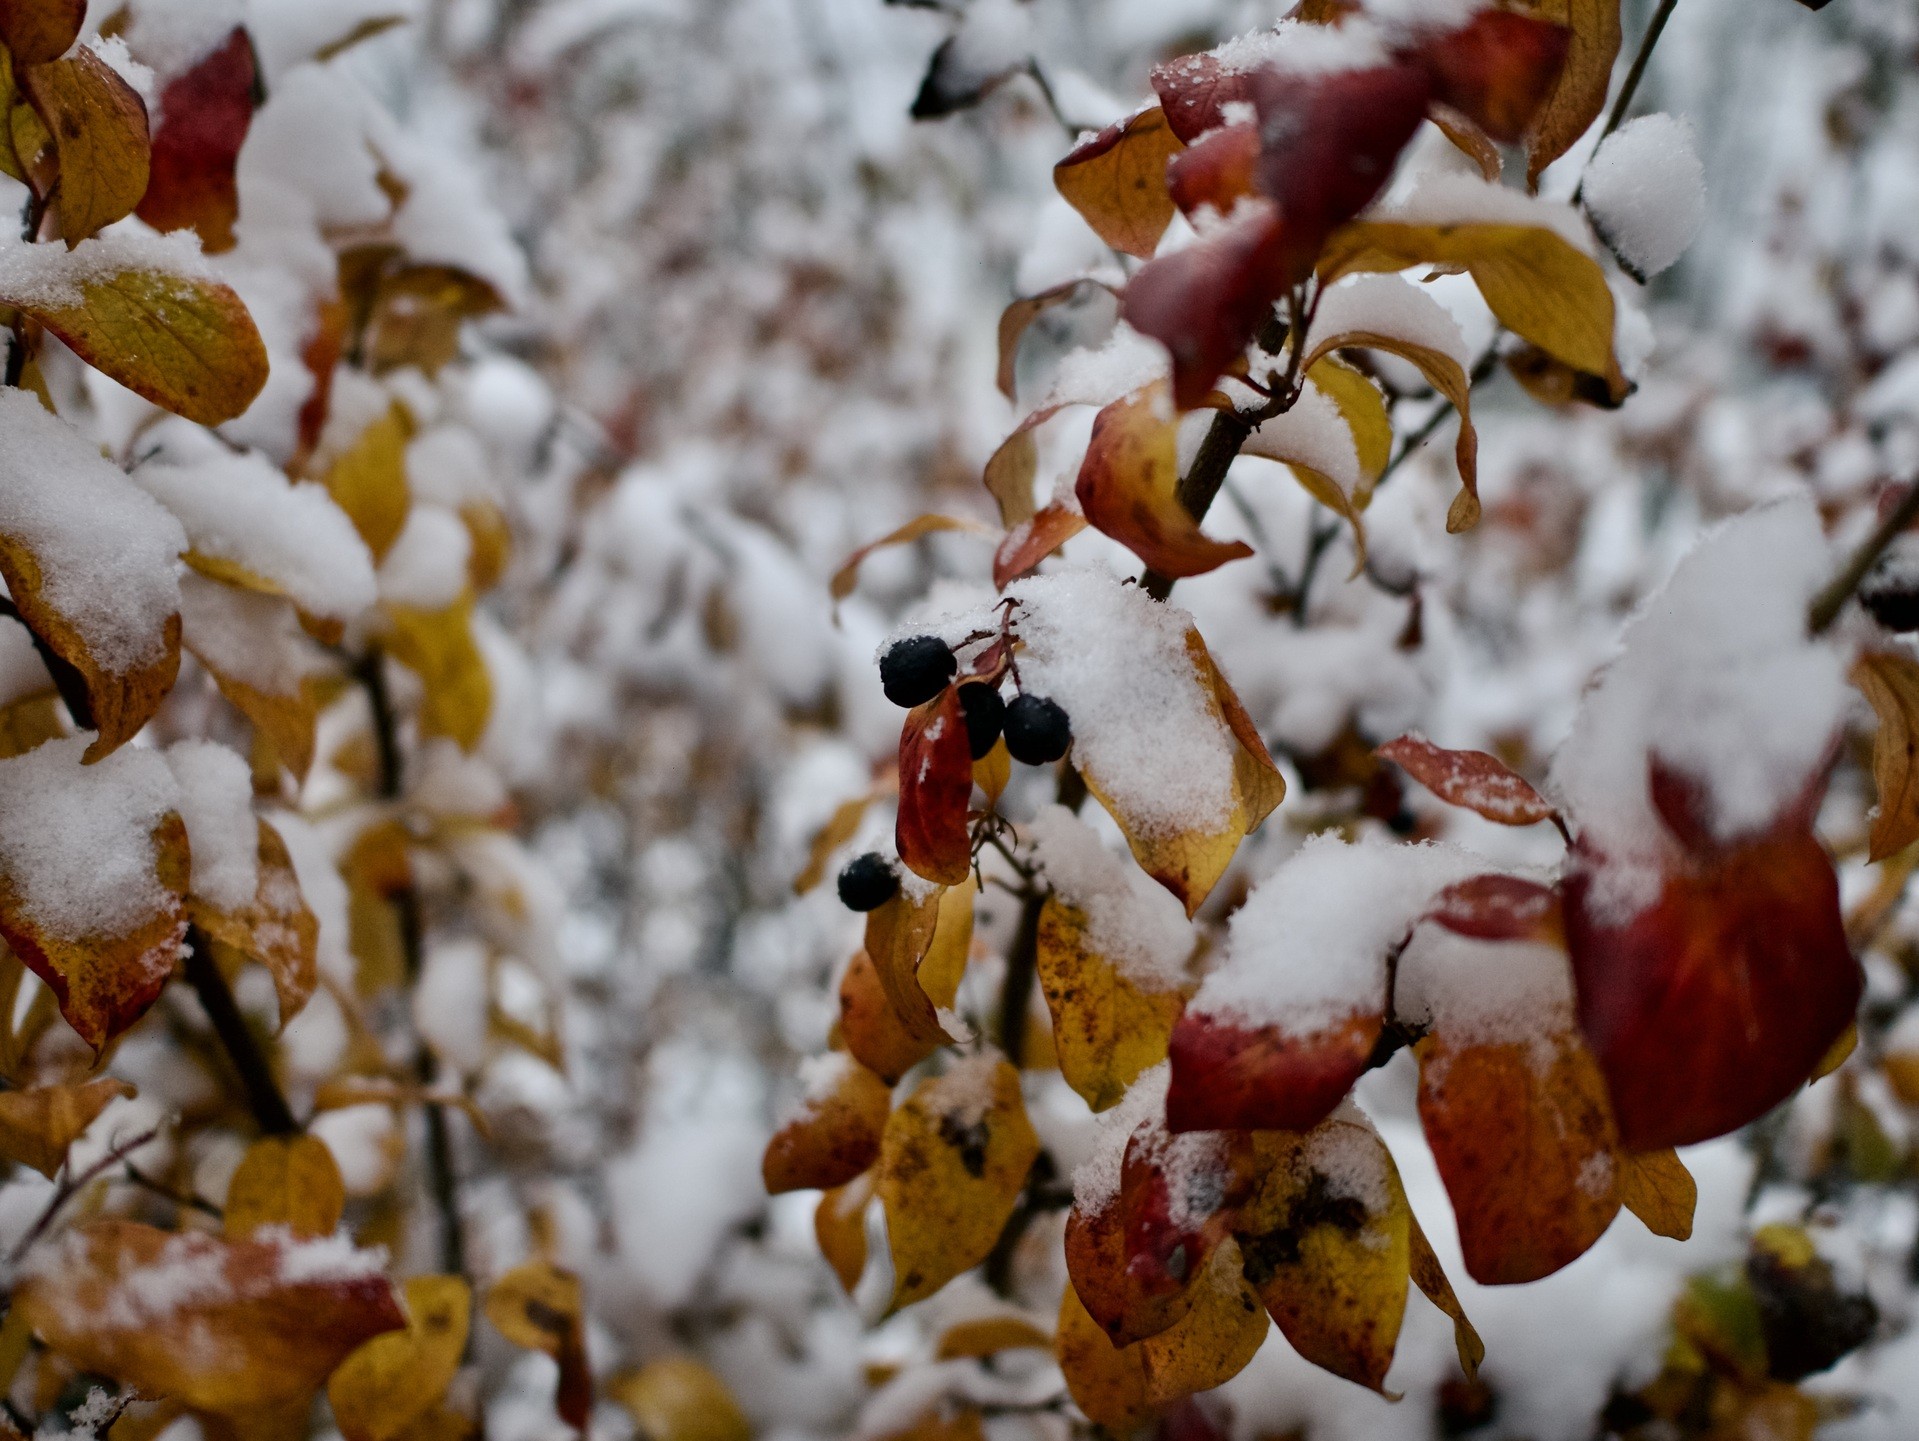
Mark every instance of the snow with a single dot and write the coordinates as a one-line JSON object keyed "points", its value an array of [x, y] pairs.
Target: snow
{"points": [[1127, 362], [1717, 678], [1131, 921], [324, 891], [1645, 190], [1308, 948], [1348, 1153], [171, 35], [76, 841], [47, 276], [1116, 661], [1313, 433], [1444, 198], [216, 802], [427, 565], [1295, 47], [1391, 306], [241, 508], [448, 465], [1481, 993], [1096, 1179], [246, 636], [107, 555]]}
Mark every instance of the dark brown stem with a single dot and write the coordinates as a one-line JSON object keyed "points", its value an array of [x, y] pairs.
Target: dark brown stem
{"points": [[68, 1188], [1830, 601], [1654, 29], [269, 1107], [66, 677]]}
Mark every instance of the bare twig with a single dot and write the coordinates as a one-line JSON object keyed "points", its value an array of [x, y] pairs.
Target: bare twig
{"points": [[1654, 29], [1830, 601], [71, 1186], [269, 1106]]}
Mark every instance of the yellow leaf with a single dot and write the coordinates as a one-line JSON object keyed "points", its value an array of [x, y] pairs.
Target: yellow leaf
{"points": [[944, 964], [99, 128], [538, 1306], [678, 1399], [438, 646], [184, 342], [989, 1335], [1581, 92], [899, 934], [839, 1225], [25, 723], [38, 1125], [1327, 1243], [290, 1181], [840, 828], [1657, 1188], [1364, 409], [368, 480], [1891, 682], [1431, 1279], [1117, 181], [277, 929], [1837, 1054], [395, 1379], [952, 1163], [1541, 287], [993, 771], [416, 314], [492, 541], [266, 666], [1106, 1028], [1107, 1382], [257, 1330], [1214, 1340]]}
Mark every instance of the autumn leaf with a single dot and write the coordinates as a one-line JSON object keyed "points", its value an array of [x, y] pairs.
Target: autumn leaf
{"points": [[1121, 1305], [99, 127], [835, 1136], [899, 937], [290, 1181], [37, 1125], [1230, 1074], [1220, 170], [936, 782], [262, 660], [264, 1323], [1216, 1338], [1108, 1383], [1106, 1027], [277, 929], [393, 1380], [873, 1032], [103, 927], [1019, 316], [1657, 1188], [1128, 488], [839, 1226], [1472, 779], [1431, 1279], [677, 1399], [847, 576], [952, 1162], [538, 1306], [1031, 540], [1194, 91], [1178, 1199], [1363, 408], [1117, 181], [37, 31], [368, 480], [989, 1335], [438, 646], [1580, 93], [1327, 1244], [205, 113], [1890, 680], [1712, 1004], [1499, 69]]}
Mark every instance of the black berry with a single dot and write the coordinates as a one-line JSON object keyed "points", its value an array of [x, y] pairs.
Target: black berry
{"points": [[867, 883], [1037, 730], [1896, 607], [985, 712], [916, 669]]}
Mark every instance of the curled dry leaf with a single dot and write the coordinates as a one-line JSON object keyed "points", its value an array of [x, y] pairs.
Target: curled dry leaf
{"points": [[936, 782], [1031, 540], [538, 1306], [290, 1181], [395, 1379], [99, 127], [1363, 408], [835, 1136], [1580, 92], [839, 1225], [36, 31], [677, 1399], [899, 938], [847, 576], [1106, 1028], [1117, 181], [205, 113], [1128, 487], [37, 1125], [265, 1323], [1019, 316], [873, 1032], [1657, 1188], [952, 1163], [1190, 863], [1472, 779], [438, 646], [1327, 1243], [1431, 1279], [277, 929], [1890, 680]]}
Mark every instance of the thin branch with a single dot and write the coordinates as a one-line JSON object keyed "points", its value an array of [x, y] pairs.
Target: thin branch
{"points": [[71, 1186], [179, 1198], [1830, 601], [264, 1099], [1627, 91]]}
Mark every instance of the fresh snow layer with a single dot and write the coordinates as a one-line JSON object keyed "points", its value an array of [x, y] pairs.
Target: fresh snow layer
{"points": [[216, 802], [1646, 191], [108, 555], [240, 508], [1313, 433], [48, 276], [427, 566], [1309, 946], [1451, 198], [1131, 920], [1475, 992], [1096, 1179], [1718, 678], [76, 841], [1391, 306]]}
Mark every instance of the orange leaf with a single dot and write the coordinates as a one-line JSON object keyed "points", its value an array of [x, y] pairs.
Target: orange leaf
{"points": [[1472, 779], [1117, 181], [952, 1163], [1128, 488], [1178, 1196], [839, 1225], [36, 31], [277, 929], [225, 1326], [872, 1030], [847, 576], [1890, 680], [936, 782], [989, 1335], [204, 117], [290, 1181], [1031, 540], [1580, 93], [37, 1125], [439, 647], [538, 1306], [835, 1137]]}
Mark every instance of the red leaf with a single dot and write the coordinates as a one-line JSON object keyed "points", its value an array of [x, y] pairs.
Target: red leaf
{"points": [[1499, 908], [1228, 1076], [1220, 170], [1498, 69], [1194, 91], [936, 781], [1095, 1249], [204, 115], [1178, 1196], [1032, 540], [1471, 779], [1715, 1002]]}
